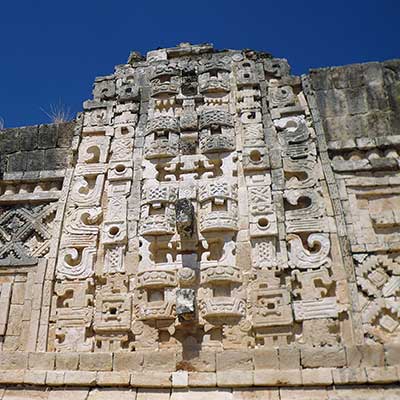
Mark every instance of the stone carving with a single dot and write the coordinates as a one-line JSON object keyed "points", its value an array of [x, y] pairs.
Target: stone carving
{"points": [[104, 89], [262, 217], [25, 232], [303, 258], [200, 210], [281, 96], [74, 315], [93, 149], [162, 123], [215, 117], [315, 309], [378, 277], [270, 306], [112, 315], [304, 211], [158, 211], [188, 119], [214, 77], [161, 145], [218, 201], [76, 263], [86, 191], [114, 259]]}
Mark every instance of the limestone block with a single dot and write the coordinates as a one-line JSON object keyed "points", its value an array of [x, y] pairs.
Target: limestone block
{"points": [[160, 361], [392, 354], [107, 378], [265, 359], [234, 360], [69, 394], [230, 378], [32, 377], [204, 361], [47, 136], [26, 394], [382, 375], [80, 378], [289, 357], [67, 361], [55, 378], [154, 379], [255, 394], [344, 376], [128, 361], [365, 356], [304, 394], [317, 376], [314, 357], [17, 360], [180, 379], [42, 361], [273, 377], [201, 394], [11, 377], [95, 361], [202, 379], [107, 394], [155, 394]]}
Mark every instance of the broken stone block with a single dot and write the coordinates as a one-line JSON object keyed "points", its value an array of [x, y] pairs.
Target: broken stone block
{"points": [[185, 304]]}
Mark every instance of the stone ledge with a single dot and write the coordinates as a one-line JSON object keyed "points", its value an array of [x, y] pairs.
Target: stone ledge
{"points": [[364, 143], [183, 379], [285, 358]]}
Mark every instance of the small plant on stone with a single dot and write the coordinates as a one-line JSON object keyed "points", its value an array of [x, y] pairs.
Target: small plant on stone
{"points": [[58, 113]]}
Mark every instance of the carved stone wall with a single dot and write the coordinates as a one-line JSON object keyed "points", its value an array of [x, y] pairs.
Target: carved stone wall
{"points": [[212, 223]]}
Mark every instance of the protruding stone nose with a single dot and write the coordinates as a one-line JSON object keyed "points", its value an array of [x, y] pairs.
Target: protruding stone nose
{"points": [[184, 218]]}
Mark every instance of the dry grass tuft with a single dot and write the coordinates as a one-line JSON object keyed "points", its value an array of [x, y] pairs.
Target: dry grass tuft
{"points": [[58, 113], [2, 125]]}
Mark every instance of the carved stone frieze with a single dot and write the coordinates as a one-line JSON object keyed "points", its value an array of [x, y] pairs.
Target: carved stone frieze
{"points": [[202, 209]]}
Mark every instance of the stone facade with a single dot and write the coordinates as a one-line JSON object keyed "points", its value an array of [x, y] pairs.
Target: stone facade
{"points": [[209, 225]]}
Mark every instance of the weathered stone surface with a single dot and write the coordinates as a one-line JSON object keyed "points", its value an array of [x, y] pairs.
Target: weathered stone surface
{"points": [[202, 379], [234, 378], [13, 360], [160, 361], [120, 378], [234, 360], [266, 359], [317, 376], [145, 379], [69, 394], [365, 356], [273, 377], [95, 362], [109, 393], [67, 361], [80, 378], [43, 361], [327, 356], [359, 89], [128, 361]]}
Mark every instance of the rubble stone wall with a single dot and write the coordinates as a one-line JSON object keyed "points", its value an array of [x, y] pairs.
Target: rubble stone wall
{"points": [[209, 225]]}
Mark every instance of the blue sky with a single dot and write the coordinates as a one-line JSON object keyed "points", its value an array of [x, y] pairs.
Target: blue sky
{"points": [[51, 51]]}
